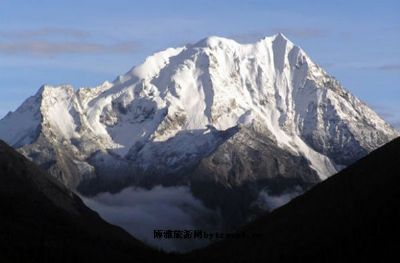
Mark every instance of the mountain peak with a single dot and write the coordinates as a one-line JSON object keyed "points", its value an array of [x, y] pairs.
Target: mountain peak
{"points": [[170, 99], [280, 36], [215, 41], [219, 115]]}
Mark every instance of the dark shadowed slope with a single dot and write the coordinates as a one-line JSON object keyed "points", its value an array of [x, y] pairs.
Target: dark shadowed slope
{"points": [[42, 221], [354, 216]]}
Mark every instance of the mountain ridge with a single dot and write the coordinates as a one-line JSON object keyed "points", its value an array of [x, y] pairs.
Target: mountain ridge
{"points": [[210, 114], [43, 221], [351, 216]]}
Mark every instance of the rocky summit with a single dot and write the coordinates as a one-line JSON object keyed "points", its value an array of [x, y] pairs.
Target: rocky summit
{"points": [[230, 120]]}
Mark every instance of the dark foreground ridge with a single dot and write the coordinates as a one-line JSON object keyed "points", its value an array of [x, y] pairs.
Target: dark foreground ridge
{"points": [[354, 216], [42, 221]]}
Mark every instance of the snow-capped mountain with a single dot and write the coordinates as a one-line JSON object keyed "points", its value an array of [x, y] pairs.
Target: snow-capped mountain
{"points": [[215, 111]]}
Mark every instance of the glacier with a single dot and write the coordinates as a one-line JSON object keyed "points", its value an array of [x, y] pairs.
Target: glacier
{"points": [[226, 119]]}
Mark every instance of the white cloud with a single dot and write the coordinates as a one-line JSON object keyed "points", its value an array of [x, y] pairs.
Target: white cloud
{"points": [[141, 211], [270, 202]]}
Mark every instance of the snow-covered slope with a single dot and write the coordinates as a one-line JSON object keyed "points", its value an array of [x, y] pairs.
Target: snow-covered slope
{"points": [[182, 104]]}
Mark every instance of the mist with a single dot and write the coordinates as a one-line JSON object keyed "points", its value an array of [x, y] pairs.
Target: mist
{"points": [[270, 202], [141, 211]]}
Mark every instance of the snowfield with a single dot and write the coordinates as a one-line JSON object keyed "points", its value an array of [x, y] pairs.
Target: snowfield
{"points": [[181, 104]]}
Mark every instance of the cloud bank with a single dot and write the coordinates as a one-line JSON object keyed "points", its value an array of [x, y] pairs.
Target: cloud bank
{"points": [[270, 202], [390, 67], [44, 32], [141, 211], [50, 48], [52, 41]]}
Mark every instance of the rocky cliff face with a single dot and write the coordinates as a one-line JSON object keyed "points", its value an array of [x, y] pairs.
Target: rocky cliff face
{"points": [[215, 113]]}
